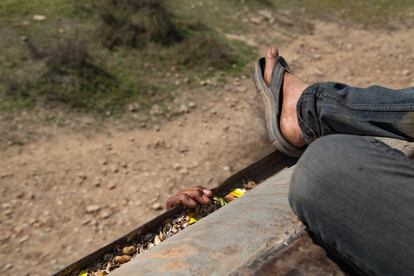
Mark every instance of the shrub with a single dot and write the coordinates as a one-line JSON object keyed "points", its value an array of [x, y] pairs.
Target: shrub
{"points": [[136, 22], [70, 79], [68, 54], [205, 51], [74, 79]]}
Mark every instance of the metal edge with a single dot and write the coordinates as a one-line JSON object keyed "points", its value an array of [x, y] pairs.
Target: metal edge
{"points": [[256, 264], [258, 171]]}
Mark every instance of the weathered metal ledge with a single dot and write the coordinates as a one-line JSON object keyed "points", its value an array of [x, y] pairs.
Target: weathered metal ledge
{"points": [[254, 235], [238, 239], [257, 172]]}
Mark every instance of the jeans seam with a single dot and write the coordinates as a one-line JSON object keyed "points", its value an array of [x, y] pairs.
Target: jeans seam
{"points": [[369, 107], [308, 135], [310, 94]]}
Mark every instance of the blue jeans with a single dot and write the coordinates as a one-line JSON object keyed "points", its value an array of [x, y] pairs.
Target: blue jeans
{"points": [[335, 108], [354, 193]]}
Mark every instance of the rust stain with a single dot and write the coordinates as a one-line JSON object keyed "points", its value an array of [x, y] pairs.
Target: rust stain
{"points": [[302, 257], [174, 256]]}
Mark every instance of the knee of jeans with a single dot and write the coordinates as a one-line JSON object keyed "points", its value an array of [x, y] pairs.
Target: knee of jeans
{"points": [[314, 173], [303, 191]]}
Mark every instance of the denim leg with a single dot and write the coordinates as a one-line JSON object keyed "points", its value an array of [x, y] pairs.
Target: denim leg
{"points": [[335, 108], [356, 195]]}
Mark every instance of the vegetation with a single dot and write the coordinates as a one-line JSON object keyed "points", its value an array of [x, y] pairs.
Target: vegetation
{"points": [[136, 23], [72, 78], [99, 55], [74, 69], [206, 52]]}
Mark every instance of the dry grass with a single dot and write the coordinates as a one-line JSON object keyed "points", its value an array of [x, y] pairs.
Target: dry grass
{"points": [[206, 52], [69, 54], [135, 23], [70, 78]]}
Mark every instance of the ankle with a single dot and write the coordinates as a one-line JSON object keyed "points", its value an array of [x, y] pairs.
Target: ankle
{"points": [[292, 90], [291, 131], [293, 86]]}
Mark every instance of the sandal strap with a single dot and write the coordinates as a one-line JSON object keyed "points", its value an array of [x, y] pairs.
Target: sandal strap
{"points": [[278, 72]]}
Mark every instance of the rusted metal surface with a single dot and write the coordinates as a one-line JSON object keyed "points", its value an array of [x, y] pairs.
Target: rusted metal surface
{"points": [[226, 239], [258, 171], [299, 256], [255, 235]]}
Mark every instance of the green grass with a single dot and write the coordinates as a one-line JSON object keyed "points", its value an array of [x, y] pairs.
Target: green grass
{"points": [[110, 78], [144, 74], [12, 9]]}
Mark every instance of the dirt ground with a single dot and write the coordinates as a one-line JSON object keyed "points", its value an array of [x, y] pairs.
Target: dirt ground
{"points": [[65, 196]]}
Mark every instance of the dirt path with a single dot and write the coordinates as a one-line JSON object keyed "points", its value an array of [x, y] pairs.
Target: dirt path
{"points": [[64, 197]]}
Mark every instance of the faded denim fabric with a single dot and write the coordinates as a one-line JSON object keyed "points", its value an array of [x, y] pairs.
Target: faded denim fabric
{"points": [[335, 108], [356, 195]]}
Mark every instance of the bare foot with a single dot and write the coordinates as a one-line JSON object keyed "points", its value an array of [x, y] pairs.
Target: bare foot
{"points": [[292, 90]]}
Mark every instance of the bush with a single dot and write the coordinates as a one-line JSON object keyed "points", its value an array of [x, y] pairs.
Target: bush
{"points": [[68, 54], [70, 79], [75, 80], [136, 22], [205, 51]]}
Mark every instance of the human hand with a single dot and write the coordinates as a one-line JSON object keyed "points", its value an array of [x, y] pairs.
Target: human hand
{"points": [[190, 197]]}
